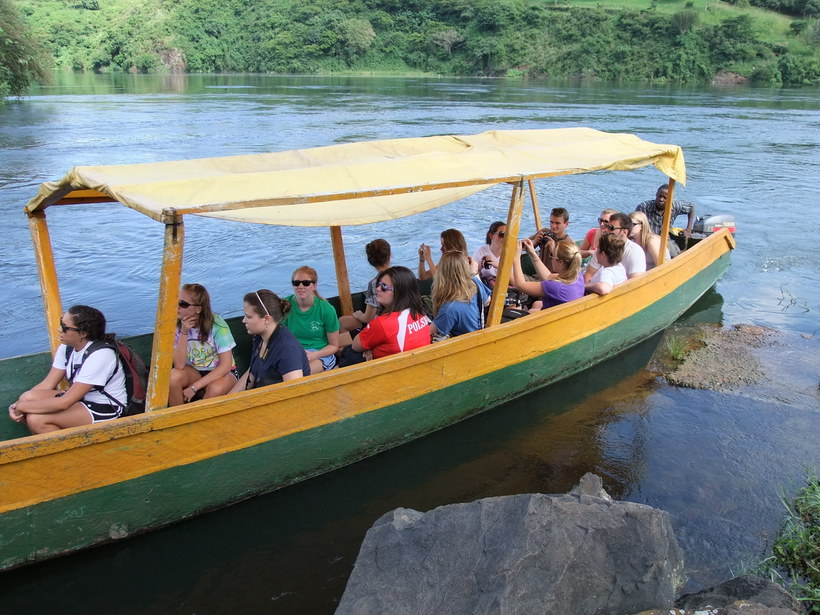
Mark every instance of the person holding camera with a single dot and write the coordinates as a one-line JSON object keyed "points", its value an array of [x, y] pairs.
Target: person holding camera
{"points": [[489, 255], [547, 239]]}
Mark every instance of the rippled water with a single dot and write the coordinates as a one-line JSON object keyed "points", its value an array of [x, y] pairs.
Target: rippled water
{"points": [[713, 460]]}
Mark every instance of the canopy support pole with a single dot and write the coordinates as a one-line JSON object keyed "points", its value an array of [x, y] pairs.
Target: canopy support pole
{"points": [[342, 279], [667, 215], [508, 252], [536, 212], [49, 287], [162, 351]]}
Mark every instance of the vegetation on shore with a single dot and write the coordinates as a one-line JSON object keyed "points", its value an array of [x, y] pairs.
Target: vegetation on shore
{"points": [[681, 41], [795, 559], [22, 60]]}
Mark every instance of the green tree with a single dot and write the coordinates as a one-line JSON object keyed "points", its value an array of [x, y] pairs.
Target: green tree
{"points": [[22, 60]]}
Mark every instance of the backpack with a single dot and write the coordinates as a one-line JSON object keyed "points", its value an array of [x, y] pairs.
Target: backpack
{"points": [[134, 370]]}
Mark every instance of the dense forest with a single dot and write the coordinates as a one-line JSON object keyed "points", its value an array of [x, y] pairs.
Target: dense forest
{"points": [[639, 40]]}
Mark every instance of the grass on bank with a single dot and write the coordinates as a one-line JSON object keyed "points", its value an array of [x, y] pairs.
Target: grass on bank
{"points": [[795, 559]]}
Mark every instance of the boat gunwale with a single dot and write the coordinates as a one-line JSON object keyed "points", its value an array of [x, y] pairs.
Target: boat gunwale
{"points": [[32, 446]]}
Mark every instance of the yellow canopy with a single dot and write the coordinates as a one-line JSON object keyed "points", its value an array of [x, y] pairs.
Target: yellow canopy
{"points": [[356, 183]]}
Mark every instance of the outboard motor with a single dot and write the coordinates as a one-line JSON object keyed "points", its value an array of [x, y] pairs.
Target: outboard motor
{"points": [[709, 223], [702, 228]]}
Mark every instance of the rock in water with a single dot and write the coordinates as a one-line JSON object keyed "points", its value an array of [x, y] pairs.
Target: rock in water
{"points": [[573, 554]]}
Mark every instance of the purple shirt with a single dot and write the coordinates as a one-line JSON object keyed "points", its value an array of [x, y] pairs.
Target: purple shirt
{"points": [[556, 292]]}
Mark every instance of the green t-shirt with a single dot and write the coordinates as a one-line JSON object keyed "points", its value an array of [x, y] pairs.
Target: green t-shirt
{"points": [[311, 327]]}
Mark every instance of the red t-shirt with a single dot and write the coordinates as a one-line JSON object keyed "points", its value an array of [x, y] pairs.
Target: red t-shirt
{"points": [[395, 332], [591, 237]]}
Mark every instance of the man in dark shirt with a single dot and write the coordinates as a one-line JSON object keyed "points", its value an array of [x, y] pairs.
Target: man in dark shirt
{"points": [[547, 238], [654, 211]]}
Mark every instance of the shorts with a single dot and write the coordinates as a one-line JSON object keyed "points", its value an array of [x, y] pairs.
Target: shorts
{"points": [[234, 372], [328, 362], [99, 411]]}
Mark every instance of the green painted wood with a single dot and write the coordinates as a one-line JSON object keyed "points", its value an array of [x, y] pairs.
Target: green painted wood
{"points": [[116, 511]]}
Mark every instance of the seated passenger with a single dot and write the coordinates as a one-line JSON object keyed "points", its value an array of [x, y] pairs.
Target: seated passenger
{"points": [[458, 297], [451, 241], [590, 243], [276, 354], [547, 239], [564, 283], [654, 209], [611, 272], [378, 255], [402, 325], [313, 321], [644, 237], [97, 392], [634, 260], [488, 256], [203, 357]]}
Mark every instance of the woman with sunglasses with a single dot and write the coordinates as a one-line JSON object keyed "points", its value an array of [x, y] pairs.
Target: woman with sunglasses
{"points": [[488, 256], [452, 240], [276, 354], [203, 350], [401, 326], [97, 380], [564, 283], [313, 321], [642, 234], [590, 243]]}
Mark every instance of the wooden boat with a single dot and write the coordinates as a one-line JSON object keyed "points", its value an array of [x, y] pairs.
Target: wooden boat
{"points": [[67, 490]]}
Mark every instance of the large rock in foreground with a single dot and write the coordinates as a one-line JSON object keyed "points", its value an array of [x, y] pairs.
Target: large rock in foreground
{"points": [[576, 553]]}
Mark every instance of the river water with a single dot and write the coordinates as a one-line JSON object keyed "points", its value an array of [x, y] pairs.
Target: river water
{"points": [[715, 461]]}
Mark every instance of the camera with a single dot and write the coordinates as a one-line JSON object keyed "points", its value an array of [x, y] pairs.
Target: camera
{"points": [[546, 234]]}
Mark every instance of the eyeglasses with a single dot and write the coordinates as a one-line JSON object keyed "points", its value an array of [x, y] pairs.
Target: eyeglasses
{"points": [[608, 226], [603, 221], [64, 328], [384, 287], [185, 304], [615, 228], [302, 282], [501, 234]]}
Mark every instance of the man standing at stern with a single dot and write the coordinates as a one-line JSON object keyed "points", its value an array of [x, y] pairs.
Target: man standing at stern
{"points": [[654, 211]]}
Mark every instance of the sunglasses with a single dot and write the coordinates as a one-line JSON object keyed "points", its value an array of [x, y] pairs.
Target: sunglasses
{"points": [[501, 234], [185, 304], [302, 282], [384, 287], [603, 221], [64, 328]]}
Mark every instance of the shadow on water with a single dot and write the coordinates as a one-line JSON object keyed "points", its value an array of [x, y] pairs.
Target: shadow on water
{"points": [[714, 461]]}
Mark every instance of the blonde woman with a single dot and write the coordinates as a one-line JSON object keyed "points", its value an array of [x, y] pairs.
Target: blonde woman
{"points": [[458, 297], [642, 234], [590, 242], [564, 283]]}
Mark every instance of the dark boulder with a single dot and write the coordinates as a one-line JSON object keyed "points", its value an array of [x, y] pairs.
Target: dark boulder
{"points": [[576, 553], [749, 589]]}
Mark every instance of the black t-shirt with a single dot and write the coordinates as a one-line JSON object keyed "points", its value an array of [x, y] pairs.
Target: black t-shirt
{"points": [[284, 354]]}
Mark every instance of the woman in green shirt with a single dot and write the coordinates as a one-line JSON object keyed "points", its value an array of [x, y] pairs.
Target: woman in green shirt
{"points": [[313, 321]]}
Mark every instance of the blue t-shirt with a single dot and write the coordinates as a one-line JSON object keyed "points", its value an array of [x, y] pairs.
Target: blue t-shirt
{"points": [[459, 317], [284, 354], [556, 292]]}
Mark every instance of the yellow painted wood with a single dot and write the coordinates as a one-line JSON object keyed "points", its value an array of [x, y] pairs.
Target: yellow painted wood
{"points": [[107, 453], [667, 219], [342, 279], [162, 351], [536, 212], [508, 252], [84, 196], [49, 286]]}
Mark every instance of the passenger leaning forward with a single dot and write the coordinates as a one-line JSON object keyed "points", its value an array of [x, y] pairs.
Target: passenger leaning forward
{"points": [[313, 321], [203, 350], [403, 324], [611, 272], [97, 392], [458, 297], [378, 255], [276, 354], [451, 241]]}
